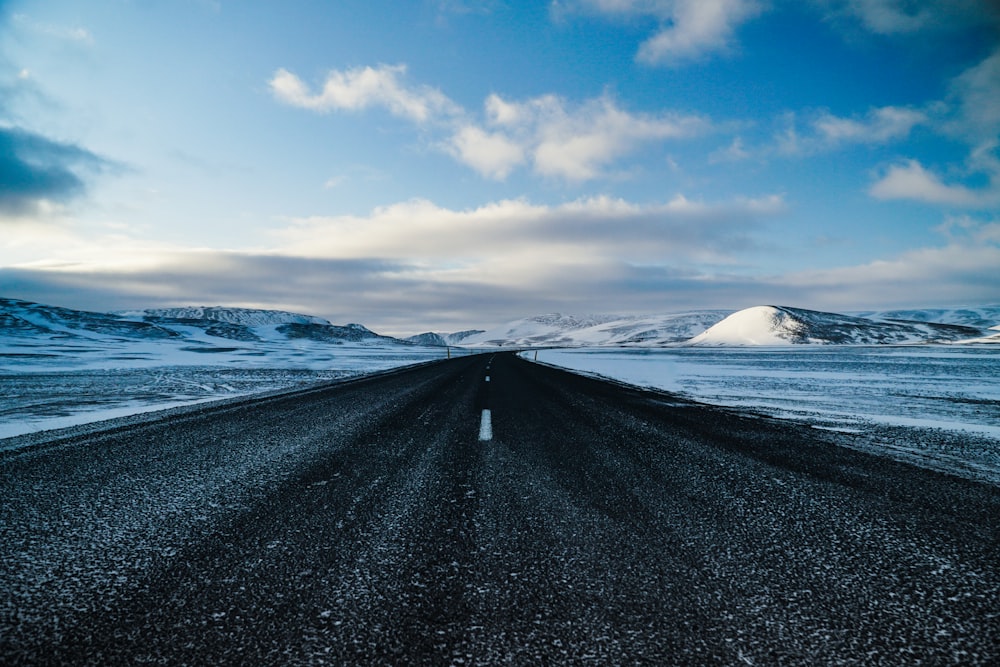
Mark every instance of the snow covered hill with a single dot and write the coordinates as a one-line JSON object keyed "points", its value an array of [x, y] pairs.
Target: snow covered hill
{"points": [[979, 317], [25, 318], [992, 336], [569, 331], [780, 325]]}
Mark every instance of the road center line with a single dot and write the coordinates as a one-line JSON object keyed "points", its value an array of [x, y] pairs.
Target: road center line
{"points": [[486, 426]]}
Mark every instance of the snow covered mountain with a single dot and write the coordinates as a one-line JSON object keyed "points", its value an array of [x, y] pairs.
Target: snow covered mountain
{"points": [[205, 326], [780, 325], [442, 339], [250, 317], [569, 331], [251, 324]]}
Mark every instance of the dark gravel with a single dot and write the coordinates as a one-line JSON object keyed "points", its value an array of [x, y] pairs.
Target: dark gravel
{"points": [[365, 523]]}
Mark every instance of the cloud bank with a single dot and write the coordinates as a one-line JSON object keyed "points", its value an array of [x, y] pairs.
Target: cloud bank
{"points": [[417, 265]]}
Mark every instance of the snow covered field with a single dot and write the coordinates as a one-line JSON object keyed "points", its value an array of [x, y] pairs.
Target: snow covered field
{"points": [[939, 404], [62, 367], [48, 389]]}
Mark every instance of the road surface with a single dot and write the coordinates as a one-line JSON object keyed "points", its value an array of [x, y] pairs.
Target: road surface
{"points": [[391, 520]]}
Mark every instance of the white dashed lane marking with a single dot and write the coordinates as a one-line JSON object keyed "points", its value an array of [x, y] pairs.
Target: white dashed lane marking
{"points": [[486, 426]]}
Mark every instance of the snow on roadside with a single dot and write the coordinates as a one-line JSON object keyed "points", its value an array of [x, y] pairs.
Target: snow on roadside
{"points": [[52, 387], [942, 403]]}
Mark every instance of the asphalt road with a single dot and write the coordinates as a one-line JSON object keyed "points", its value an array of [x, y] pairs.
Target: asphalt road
{"points": [[369, 522]]}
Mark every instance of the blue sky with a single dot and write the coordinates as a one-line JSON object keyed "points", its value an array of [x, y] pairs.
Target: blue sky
{"points": [[440, 164]]}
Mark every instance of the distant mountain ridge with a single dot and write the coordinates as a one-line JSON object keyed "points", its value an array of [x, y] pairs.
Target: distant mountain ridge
{"points": [[980, 317], [443, 339], [209, 326], [758, 325], [556, 329], [781, 325], [197, 324], [252, 317]]}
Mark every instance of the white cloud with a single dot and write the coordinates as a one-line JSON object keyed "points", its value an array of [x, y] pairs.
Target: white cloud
{"points": [[689, 29], [911, 180], [697, 28], [594, 227], [965, 228], [955, 274], [575, 143], [824, 131], [878, 126], [735, 152], [492, 154], [363, 87], [500, 112], [557, 138], [889, 16], [66, 33], [970, 113], [896, 17], [975, 94]]}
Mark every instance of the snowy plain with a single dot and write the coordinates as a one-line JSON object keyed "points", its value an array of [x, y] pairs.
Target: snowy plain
{"points": [[45, 386], [937, 405]]}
